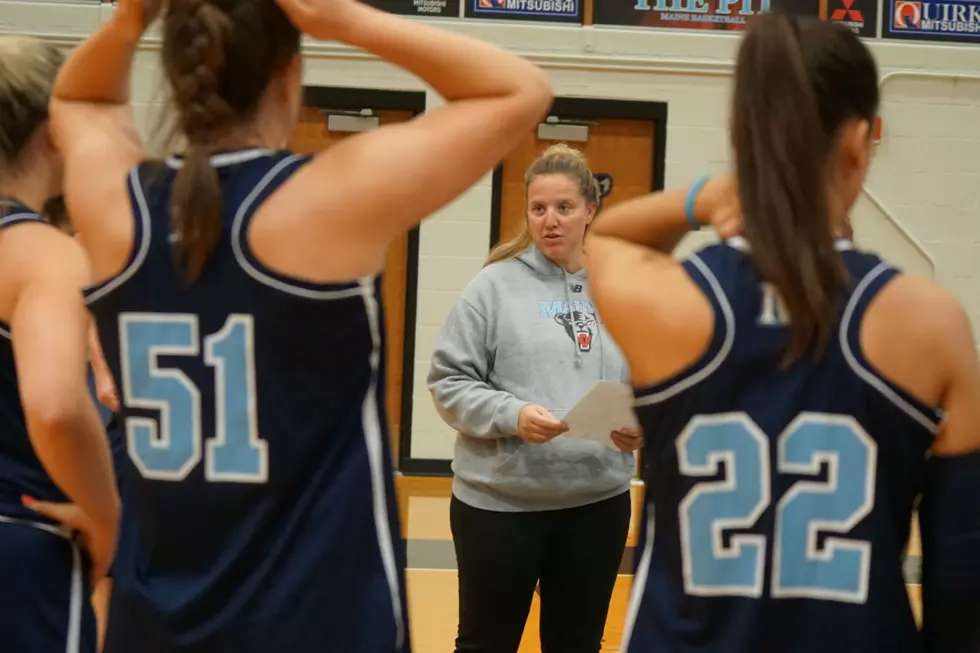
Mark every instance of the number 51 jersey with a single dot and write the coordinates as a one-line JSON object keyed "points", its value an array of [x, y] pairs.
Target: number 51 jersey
{"points": [[258, 506], [779, 501]]}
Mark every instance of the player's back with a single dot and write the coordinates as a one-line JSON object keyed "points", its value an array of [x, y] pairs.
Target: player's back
{"points": [[779, 499], [21, 471], [258, 510]]}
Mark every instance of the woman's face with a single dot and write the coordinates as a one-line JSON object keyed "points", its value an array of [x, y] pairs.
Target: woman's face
{"points": [[557, 215]]}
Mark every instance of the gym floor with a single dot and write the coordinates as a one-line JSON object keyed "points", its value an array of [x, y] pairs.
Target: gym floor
{"points": [[424, 506]]}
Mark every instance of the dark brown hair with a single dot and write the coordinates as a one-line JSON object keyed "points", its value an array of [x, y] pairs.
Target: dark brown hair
{"points": [[219, 56], [796, 85]]}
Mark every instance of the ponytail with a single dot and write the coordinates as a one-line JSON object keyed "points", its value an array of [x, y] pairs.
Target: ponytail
{"points": [[196, 211], [782, 149], [196, 206], [511, 248]]}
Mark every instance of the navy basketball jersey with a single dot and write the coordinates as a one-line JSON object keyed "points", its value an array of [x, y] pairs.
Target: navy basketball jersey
{"points": [[258, 506], [44, 595], [779, 501]]}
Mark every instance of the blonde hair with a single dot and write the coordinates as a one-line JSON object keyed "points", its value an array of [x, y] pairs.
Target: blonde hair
{"points": [[28, 67], [558, 159]]}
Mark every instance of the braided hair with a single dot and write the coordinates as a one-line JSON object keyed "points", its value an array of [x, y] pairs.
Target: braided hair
{"points": [[219, 57]]}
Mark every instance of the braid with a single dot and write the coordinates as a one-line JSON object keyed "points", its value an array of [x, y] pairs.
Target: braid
{"points": [[197, 90], [219, 56]]}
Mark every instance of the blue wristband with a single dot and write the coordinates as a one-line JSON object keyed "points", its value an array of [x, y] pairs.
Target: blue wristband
{"points": [[689, 202]]}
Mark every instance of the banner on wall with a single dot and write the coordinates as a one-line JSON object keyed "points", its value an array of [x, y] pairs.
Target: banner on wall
{"points": [[860, 15], [949, 20], [562, 11], [432, 8], [718, 15]]}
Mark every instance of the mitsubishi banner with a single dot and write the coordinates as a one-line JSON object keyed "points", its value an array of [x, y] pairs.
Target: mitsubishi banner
{"points": [[950, 20], [562, 11], [861, 16], [430, 8]]}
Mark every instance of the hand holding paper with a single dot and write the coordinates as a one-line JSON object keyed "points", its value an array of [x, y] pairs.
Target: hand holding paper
{"points": [[605, 408], [536, 425]]}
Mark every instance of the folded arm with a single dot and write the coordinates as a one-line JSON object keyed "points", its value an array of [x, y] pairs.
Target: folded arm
{"points": [[458, 379]]}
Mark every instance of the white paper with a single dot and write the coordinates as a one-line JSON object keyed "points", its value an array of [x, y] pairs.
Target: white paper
{"points": [[605, 408]]}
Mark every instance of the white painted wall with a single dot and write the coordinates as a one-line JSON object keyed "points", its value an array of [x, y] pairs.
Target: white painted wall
{"points": [[927, 171]]}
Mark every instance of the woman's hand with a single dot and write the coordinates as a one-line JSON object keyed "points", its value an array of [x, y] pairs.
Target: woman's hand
{"points": [[718, 207], [627, 439], [324, 20], [105, 390], [99, 541], [536, 425], [143, 12]]}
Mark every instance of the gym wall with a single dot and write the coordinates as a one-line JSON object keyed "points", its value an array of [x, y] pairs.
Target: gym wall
{"points": [[924, 211]]}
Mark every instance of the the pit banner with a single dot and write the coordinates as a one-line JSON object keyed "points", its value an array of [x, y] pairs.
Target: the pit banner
{"points": [[950, 20], [731, 15], [561, 11], [715, 15], [430, 8]]}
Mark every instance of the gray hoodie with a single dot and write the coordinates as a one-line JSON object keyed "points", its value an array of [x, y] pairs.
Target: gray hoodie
{"points": [[525, 331]]}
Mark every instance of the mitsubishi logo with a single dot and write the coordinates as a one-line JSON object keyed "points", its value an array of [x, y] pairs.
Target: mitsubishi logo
{"points": [[847, 13]]}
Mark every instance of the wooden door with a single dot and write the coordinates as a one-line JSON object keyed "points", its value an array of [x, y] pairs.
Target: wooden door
{"points": [[311, 135], [622, 149]]}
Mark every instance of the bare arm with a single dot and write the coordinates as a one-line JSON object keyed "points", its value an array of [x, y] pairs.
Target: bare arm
{"points": [[93, 126], [656, 314], [49, 330], [389, 179], [960, 429]]}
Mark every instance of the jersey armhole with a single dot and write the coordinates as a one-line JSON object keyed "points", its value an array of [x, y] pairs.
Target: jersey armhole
{"points": [[850, 342], [140, 212], [267, 185], [719, 347], [20, 217]]}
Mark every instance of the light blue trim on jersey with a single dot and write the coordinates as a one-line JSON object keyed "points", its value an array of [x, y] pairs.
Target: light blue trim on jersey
{"points": [[74, 637], [103, 288], [375, 442], [351, 289], [742, 245], [707, 370], [20, 217], [7, 221], [639, 580], [226, 158], [862, 372]]}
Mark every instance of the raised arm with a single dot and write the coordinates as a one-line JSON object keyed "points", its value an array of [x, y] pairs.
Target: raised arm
{"points": [[391, 178], [648, 303], [458, 378], [92, 122]]}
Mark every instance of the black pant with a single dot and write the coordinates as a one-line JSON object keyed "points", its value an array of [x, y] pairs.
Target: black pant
{"points": [[501, 556]]}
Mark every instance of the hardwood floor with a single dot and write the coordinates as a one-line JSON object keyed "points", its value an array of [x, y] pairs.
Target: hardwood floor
{"points": [[424, 507]]}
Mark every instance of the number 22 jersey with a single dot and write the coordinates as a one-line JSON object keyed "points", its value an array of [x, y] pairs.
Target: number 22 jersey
{"points": [[779, 501]]}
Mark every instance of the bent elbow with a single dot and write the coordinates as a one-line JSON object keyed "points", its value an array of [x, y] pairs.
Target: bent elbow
{"points": [[538, 93], [51, 416]]}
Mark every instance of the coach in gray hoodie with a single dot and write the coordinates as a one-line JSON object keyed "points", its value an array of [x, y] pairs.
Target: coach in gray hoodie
{"points": [[522, 344]]}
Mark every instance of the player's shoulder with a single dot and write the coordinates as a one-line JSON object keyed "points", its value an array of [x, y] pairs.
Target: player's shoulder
{"points": [[920, 304]]}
